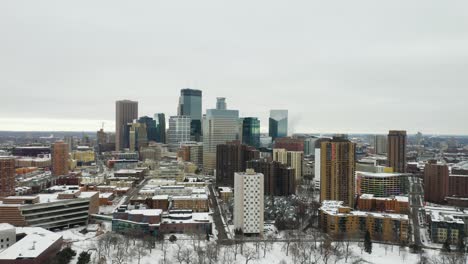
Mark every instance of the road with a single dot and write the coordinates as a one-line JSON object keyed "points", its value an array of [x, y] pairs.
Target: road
{"points": [[416, 197], [222, 236]]}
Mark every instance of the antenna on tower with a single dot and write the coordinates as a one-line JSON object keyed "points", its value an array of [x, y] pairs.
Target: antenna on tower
{"points": [[102, 126]]}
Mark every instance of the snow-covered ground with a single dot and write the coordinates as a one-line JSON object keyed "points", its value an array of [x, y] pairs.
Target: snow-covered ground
{"points": [[276, 252]]}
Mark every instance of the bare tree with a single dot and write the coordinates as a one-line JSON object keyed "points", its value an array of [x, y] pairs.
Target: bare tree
{"points": [[139, 250], [228, 255], [249, 255], [119, 255], [287, 243], [267, 244], [212, 252]]}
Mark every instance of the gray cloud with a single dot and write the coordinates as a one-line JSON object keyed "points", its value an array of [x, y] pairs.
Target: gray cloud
{"points": [[338, 67]]}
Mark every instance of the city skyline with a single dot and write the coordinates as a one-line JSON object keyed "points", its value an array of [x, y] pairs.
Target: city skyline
{"points": [[337, 68]]}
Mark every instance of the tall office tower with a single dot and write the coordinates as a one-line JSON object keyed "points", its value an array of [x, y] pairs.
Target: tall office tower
{"points": [[60, 160], [230, 158], [125, 112], [293, 159], [138, 136], [190, 104], [219, 126], [160, 119], [380, 144], [150, 127], [309, 146], [221, 103], [278, 124], [7, 176], [337, 165], [251, 131], [290, 144], [279, 179], [249, 202], [179, 131], [436, 182], [397, 150]]}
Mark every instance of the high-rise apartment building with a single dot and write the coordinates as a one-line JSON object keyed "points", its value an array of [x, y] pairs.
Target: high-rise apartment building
{"points": [[337, 168], [232, 157], [278, 123], [380, 144], [190, 104], [293, 159], [125, 112], [249, 202], [60, 158], [436, 182], [309, 146], [279, 179], [397, 150], [160, 119], [251, 131], [7, 176], [179, 131], [220, 125]]}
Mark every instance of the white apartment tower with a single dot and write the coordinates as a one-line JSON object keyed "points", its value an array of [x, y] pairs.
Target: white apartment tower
{"points": [[248, 202]]}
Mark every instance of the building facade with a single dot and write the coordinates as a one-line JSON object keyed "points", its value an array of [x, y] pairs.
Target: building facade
{"points": [[251, 131], [436, 182], [125, 112], [397, 150], [7, 176], [220, 125], [293, 159], [337, 170], [279, 179], [248, 202], [278, 124], [190, 104], [382, 184], [179, 131], [341, 222], [289, 143], [230, 158], [60, 158], [160, 119]]}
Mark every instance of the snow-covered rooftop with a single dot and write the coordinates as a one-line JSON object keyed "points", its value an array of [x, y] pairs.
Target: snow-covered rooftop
{"points": [[36, 241]]}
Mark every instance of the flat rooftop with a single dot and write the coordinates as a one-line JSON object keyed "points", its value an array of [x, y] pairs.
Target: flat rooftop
{"points": [[36, 241], [331, 207]]}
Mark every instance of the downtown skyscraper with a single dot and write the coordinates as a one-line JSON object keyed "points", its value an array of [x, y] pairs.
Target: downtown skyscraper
{"points": [[190, 104], [219, 126], [125, 112], [278, 124]]}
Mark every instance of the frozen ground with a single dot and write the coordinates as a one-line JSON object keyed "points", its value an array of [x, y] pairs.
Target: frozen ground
{"points": [[275, 253]]}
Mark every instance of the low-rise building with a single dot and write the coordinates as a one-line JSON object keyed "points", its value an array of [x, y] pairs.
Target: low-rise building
{"points": [[443, 227], [55, 210], [395, 204], [341, 221], [35, 246]]}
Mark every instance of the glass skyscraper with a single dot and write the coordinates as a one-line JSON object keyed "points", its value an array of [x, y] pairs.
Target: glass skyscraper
{"points": [[160, 120], [278, 124], [251, 131], [190, 104]]}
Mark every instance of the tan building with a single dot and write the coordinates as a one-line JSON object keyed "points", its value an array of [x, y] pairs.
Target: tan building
{"points": [[397, 150], [293, 159], [194, 202], [340, 222], [337, 168], [60, 159], [7, 176]]}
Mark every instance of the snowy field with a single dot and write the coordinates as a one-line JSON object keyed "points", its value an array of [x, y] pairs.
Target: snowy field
{"points": [[182, 251]]}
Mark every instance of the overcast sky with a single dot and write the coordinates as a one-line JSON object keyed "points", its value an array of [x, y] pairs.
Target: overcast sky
{"points": [[337, 66]]}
